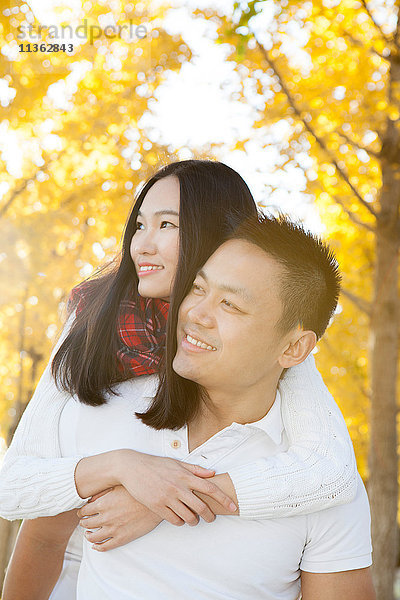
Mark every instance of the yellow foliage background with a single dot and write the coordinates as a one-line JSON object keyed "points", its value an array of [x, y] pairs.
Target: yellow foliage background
{"points": [[327, 69], [62, 214]]}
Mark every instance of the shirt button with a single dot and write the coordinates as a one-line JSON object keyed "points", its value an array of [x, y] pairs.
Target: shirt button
{"points": [[176, 444]]}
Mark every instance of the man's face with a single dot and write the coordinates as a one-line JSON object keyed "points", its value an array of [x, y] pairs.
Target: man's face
{"points": [[232, 309]]}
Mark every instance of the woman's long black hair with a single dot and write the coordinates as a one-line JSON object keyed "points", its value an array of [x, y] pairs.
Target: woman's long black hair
{"points": [[221, 200], [214, 199]]}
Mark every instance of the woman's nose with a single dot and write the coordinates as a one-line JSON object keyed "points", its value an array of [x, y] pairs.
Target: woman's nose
{"points": [[144, 243]]}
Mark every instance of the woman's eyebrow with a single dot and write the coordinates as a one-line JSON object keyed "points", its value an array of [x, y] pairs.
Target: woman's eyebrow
{"points": [[165, 211]]}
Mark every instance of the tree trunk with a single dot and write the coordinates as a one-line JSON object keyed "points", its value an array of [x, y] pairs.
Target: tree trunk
{"points": [[383, 460]]}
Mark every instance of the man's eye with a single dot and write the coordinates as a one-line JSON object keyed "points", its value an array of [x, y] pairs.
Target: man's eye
{"points": [[167, 224], [197, 289], [229, 304]]}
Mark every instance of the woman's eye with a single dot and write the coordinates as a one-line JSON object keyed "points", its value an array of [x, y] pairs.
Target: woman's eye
{"points": [[167, 224], [139, 225]]}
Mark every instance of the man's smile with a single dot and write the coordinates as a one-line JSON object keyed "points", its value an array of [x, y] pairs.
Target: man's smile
{"points": [[191, 343]]}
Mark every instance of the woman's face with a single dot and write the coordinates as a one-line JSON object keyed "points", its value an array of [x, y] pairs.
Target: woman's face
{"points": [[155, 245]]}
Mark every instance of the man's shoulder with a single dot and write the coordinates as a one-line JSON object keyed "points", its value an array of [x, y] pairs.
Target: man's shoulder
{"points": [[339, 538], [358, 507]]}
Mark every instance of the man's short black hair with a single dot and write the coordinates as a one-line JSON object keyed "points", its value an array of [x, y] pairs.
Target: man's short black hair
{"points": [[310, 282]]}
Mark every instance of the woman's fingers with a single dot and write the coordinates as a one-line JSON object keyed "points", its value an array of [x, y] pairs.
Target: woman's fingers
{"points": [[180, 509], [94, 504], [92, 522], [199, 507], [210, 489], [198, 470], [170, 516], [87, 511], [106, 545], [200, 484], [98, 536], [100, 494]]}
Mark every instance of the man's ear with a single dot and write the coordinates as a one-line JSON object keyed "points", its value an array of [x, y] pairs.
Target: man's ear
{"points": [[298, 349]]}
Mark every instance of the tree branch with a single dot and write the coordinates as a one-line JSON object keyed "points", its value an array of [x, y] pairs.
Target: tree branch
{"points": [[338, 356], [376, 24], [308, 127], [360, 44], [352, 216], [16, 192], [356, 145], [361, 304]]}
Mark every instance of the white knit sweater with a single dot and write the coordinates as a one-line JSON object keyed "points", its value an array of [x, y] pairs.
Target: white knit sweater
{"points": [[318, 471]]}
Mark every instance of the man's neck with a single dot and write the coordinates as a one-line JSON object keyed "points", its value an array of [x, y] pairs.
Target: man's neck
{"points": [[220, 409]]}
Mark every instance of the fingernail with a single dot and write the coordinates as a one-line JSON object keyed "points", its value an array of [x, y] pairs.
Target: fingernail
{"points": [[232, 506]]}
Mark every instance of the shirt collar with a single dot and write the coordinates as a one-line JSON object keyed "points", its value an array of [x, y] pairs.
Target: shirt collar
{"points": [[272, 423]]}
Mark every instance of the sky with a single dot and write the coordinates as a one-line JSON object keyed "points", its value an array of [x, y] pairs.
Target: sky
{"points": [[194, 108]]}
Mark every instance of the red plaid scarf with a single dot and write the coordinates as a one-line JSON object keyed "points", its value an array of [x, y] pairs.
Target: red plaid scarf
{"points": [[142, 332]]}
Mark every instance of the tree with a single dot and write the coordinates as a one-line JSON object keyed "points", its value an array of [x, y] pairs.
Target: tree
{"points": [[330, 69]]}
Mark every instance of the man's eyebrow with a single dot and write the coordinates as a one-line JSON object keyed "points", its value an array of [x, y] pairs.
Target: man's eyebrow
{"points": [[238, 291], [165, 211]]}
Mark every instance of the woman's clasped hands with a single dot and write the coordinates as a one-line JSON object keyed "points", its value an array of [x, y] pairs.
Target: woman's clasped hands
{"points": [[151, 489]]}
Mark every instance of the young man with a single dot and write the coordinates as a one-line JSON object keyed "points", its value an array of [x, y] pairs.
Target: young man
{"points": [[256, 307]]}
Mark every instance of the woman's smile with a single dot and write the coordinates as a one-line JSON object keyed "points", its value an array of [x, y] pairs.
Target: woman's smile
{"points": [[147, 269]]}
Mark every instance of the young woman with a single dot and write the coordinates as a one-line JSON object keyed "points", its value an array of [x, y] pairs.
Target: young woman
{"points": [[112, 335]]}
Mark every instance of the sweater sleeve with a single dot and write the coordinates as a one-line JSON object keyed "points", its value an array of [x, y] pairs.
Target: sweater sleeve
{"points": [[35, 480], [319, 468]]}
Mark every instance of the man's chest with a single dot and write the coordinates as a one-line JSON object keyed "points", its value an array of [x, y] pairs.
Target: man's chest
{"points": [[256, 557], [115, 425]]}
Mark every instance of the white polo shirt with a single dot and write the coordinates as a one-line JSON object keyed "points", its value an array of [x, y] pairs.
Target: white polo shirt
{"points": [[231, 558]]}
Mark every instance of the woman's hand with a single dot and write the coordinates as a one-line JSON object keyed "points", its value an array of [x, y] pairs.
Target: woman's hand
{"points": [[167, 487], [119, 518]]}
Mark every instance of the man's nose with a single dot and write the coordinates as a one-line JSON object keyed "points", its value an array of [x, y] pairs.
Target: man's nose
{"points": [[201, 314]]}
